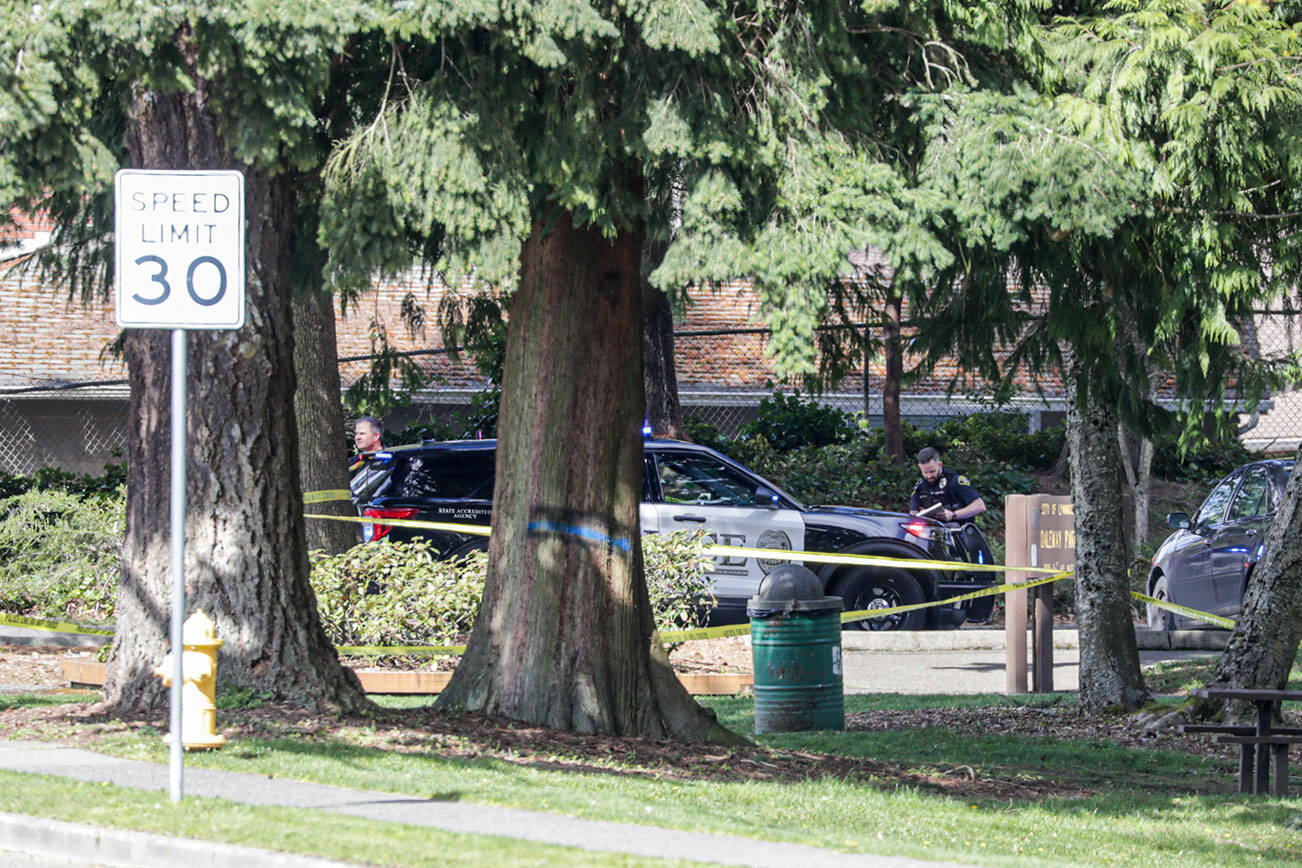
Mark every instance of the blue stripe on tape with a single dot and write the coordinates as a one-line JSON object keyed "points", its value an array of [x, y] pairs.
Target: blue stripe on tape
{"points": [[586, 533]]}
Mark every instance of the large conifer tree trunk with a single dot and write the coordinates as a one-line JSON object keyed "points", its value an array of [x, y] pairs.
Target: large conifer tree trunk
{"points": [[246, 559], [565, 636], [319, 413], [1110, 676]]}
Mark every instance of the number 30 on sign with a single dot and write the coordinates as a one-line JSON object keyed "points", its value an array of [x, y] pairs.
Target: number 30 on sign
{"points": [[180, 249]]}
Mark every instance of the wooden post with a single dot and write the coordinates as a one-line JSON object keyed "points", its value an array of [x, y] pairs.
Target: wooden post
{"points": [[1042, 641], [1041, 613], [1017, 546]]}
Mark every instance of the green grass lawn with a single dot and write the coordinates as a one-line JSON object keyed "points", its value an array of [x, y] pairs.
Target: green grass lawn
{"points": [[301, 831], [1126, 806]]}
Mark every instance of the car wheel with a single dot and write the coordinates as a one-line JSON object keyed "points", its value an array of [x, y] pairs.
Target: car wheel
{"points": [[1160, 619], [882, 589]]}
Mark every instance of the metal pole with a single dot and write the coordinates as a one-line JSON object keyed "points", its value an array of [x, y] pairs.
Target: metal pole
{"points": [[176, 763]]}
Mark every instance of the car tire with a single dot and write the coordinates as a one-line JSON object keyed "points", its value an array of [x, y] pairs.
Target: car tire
{"points": [[1160, 619], [881, 589]]}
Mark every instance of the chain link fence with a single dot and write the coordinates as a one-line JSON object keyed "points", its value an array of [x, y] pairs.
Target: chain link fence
{"points": [[1278, 429], [723, 375]]}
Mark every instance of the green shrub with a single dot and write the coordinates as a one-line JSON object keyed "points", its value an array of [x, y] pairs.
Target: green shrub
{"points": [[60, 554], [397, 594], [675, 566], [401, 594], [994, 437], [50, 478], [703, 433], [1206, 462], [789, 422]]}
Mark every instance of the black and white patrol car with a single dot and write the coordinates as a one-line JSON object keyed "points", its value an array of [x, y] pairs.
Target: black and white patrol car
{"points": [[685, 486]]}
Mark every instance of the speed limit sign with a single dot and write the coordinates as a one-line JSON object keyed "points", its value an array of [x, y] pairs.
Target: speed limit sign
{"points": [[180, 249]]}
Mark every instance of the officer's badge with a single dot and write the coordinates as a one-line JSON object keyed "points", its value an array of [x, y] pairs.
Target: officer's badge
{"points": [[943, 482]]}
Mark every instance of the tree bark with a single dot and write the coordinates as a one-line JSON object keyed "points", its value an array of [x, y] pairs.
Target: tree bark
{"points": [[319, 414], [246, 560], [1137, 462], [1264, 644], [893, 346], [1136, 449], [1110, 676], [663, 412], [565, 636]]}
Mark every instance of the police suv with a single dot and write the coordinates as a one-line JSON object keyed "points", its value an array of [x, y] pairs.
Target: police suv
{"points": [[686, 487]]}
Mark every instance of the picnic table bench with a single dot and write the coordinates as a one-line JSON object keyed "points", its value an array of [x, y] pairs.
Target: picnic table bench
{"points": [[1259, 743]]}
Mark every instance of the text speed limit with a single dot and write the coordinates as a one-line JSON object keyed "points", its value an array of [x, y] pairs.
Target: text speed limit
{"points": [[180, 249]]}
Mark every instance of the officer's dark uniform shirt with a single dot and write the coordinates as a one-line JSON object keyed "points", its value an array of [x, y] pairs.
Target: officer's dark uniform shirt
{"points": [[950, 490], [367, 475]]}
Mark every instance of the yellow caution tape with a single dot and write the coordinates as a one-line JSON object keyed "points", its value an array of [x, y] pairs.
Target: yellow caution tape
{"points": [[474, 529], [705, 633], [869, 560], [865, 614], [1215, 620], [51, 626], [327, 495]]}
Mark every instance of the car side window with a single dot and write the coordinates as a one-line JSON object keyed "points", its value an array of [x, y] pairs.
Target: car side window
{"points": [[1253, 497], [1213, 508], [447, 475], [703, 480]]}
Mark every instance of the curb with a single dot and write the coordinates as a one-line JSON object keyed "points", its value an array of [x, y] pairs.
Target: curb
{"points": [[992, 639], [119, 848]]}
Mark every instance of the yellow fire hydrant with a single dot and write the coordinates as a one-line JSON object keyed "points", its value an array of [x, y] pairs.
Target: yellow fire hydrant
{"points": [[199, 683]]}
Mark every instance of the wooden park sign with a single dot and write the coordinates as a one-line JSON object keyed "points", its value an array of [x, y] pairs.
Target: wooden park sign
{"points": [[1040, 531]]}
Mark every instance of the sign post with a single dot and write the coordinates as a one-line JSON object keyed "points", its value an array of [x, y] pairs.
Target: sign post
{"points": [[1039, 531], [179, 265]]}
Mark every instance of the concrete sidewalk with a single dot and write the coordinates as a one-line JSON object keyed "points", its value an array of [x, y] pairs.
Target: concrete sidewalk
{"points": [[973, 660], [993, 639], [255, 789]]}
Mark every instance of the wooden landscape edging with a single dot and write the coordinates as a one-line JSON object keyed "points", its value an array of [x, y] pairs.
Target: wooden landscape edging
{"points": [[88, 673]]}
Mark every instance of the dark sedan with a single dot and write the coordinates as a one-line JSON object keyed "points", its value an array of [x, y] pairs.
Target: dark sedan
{"points": [[1207, 563]]}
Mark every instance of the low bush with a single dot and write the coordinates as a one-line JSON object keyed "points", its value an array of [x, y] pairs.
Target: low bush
{"points": [[675, 565], [401, 594], [1204, 463], [60, 554], [992, 438], [53, 479], [790, 422], [397, 594]]}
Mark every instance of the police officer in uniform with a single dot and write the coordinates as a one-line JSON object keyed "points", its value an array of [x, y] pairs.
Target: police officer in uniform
{"points": [[942, 494], [949, 497]]}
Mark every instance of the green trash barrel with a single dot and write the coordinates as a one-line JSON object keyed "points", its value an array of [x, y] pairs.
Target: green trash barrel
{"points": [[796, 647]]}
